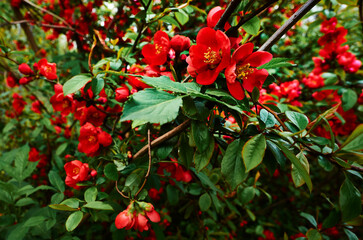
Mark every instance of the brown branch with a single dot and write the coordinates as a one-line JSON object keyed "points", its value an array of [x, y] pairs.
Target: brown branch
{"points": [[27, 31], [227, 13], [163, 138], [288, 24]]}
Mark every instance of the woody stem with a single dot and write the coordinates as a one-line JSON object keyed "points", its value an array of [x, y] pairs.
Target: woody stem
{"points": [[227, 13], [288, 24]]}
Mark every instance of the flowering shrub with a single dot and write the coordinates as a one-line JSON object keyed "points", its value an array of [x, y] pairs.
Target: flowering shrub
{"points": [[169, 119]]}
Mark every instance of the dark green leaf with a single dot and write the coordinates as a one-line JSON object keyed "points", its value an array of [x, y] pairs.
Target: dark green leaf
{"points": [[97, 85], [349, 200], [332, 220], [296, 177], [110, 172], [351, 235], [205, 202], [56, 181], [164, 83], [185, 151], [349, 99], [172, 194], [232, 167], [310, 218], [276, 63], [245, 195], [201, 135], [201, 159], [253, 151], [313, 234], [62, 207], [354, 141]]}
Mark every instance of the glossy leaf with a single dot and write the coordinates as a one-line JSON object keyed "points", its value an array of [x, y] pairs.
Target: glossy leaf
{"points": [[74, 220], [349, 200], [76, 83], [253, 151]]}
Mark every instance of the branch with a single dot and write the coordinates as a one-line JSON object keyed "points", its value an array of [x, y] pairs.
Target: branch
{"points": [[275, 115], [288, 24], [163, 138], [227, 13]]}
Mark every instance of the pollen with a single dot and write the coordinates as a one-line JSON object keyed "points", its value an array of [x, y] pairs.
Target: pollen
{"points": [[158, 48], [243, 71], [91, 138], [211, 57], [75, 171]]}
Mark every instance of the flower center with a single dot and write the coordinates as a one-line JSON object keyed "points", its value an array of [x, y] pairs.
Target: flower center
{"points": [[158, 48], [75, 171], [212, 58], [91, 139], [243, 71]]}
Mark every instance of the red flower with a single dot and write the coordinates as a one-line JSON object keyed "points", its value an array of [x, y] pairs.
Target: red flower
{"points": [[36, 106], [176, 171], [25, 69], [92, 115], [335, 37], [209, 56], [76, 172], [242, 73], [60, 102], [122, 93], [125, 219], [90, 139], [48, 70], [11, 81], [18, 103], [33, 155], [180, 43], [156, 54], [313, 81], [328, 25], [213, 17], [350, 63]]}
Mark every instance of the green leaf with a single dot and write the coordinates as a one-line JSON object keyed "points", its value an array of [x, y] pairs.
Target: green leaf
{"points": [[310, 218], [56, 181], [252, 26], [172, 194], [348, 2], [76, 83], [74, 220], [24, 202], [182, 17], [90, 194], [97, 85], [61, 149], [62, 207], [201, 159], [164, 83], [201, 135], [349, 99], [253, 151], [34, 221], [300, 120], [205, 180], [354, 141], [245, 195], [152, 106], [71, 202], [170, 20], [332, 219], [296, 177], [349, 200], [185, 151], [296, 162], [267, 118], [276, 63], [205, 202], [232, 167], [351, 235], [313, 234], [111, 172], [98, 205]]}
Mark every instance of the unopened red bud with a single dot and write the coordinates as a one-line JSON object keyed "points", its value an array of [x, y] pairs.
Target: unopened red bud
{"points": [[93, 173], [122, 94], [180, 43], [23, 80], [25, 69]]}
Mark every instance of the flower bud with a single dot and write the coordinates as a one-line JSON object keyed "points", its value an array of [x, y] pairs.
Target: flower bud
{"points": [[25, 69], [180, 43]]}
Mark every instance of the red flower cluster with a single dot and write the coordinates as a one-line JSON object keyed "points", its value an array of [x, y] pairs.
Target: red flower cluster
{"points": [[60, 102], [91, 138], [43, 67], [18, 103], [34, 156], [176, 171], [76, 172], [156, 54], [134, 216], [289, 90]]}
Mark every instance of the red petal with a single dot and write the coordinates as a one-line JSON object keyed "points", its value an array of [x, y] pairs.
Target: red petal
{"points": [[236, 90], [207, 36], [207, 77], [242, 52], [256, 79], [230, 73], [257, 59]]}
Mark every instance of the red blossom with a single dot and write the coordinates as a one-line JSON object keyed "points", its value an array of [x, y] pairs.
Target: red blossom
{"points": [[33, 155], [48, 70], [156, 54], [76, 172], [209, 56], [92, 115], [122, 93], [11, 81], [180, 43], [18, 103], [91, 138], [241, 74], [25, 69], [60, 102], [36, 107]]}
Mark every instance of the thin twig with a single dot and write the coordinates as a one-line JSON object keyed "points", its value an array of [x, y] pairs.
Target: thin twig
{"points": [[163, 138], [288, 24], [275, 115], [8, 58], [121, 193], [149, 167]]}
